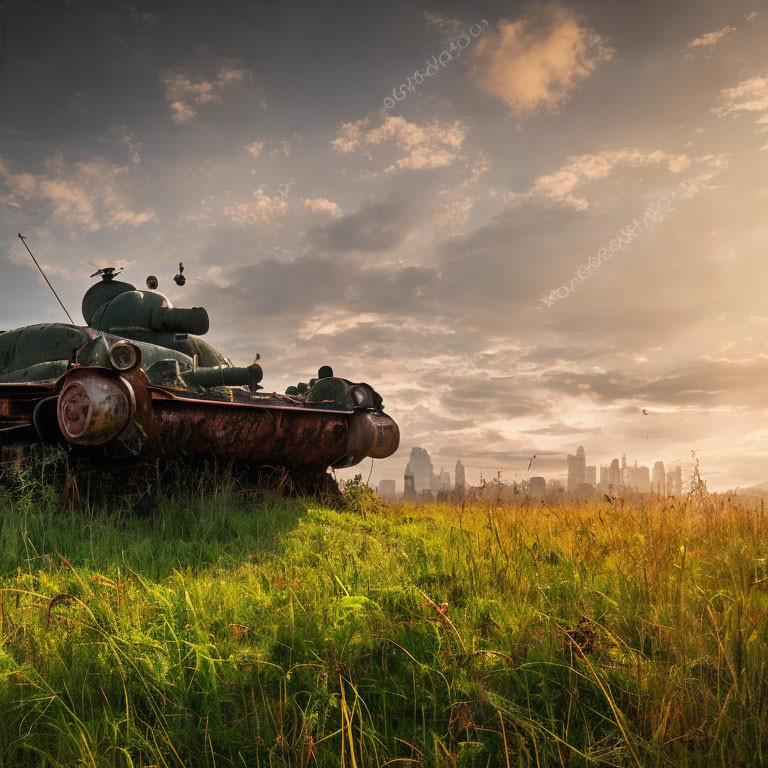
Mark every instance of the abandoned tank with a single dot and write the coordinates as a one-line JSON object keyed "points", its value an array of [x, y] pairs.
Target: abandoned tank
{"points": [[136, 384]]}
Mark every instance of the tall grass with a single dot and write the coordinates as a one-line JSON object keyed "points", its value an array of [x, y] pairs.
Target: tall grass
{"points": [[220, 631]]}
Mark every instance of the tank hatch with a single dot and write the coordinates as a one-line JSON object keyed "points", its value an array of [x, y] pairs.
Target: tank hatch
{"points": [[102, 292]]}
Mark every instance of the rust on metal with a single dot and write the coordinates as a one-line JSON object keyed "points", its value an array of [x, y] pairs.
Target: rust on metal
{"points": [[18, 401], [93, 408]]}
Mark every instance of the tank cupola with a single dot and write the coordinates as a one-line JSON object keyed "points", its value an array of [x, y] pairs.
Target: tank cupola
{"points": [[105, 290]]}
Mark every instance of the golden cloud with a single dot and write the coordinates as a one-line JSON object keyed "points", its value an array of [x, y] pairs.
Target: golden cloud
{"points": [[535, 63]]}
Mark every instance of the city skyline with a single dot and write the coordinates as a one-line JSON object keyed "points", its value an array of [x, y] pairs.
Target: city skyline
{"points": [[616, 473]]}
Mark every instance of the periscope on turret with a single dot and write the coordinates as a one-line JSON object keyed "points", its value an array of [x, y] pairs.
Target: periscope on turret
{"points": [[137, 382]]}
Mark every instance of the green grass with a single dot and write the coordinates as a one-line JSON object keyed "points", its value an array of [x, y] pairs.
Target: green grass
{"points": [[221, 631]]}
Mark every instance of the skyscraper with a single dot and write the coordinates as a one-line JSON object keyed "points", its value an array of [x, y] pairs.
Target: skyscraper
{"points": [[576, 468], [590, 474], [409, 487], [675, 482], [421, 467], [614, 475], [626, 472], [640, 478], [659, 479], [461, 481]]}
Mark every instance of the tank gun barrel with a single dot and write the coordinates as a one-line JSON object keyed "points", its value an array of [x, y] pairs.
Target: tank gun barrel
{"points": [[177, 320], [207, 377]]}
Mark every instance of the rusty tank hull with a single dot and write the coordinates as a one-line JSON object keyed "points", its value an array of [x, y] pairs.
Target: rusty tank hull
{"points": [[261, 434], [117, 417]]}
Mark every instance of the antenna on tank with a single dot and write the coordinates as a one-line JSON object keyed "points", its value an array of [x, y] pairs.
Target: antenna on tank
{"points": [[23, 240]]}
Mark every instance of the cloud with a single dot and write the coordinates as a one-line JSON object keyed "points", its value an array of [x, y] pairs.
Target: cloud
{"points": [[445, 26], [125, 217], [330, 304], [374, 227], [559, 187], [495, 398], [711, 39], [85, 195], [748, 96], [453, 216], [535, 63], [254, 148], [283, 148], [705, 383], [322, 205], [186, 95], [261, 208], [558, 429], [124, 136], [422, 146]]}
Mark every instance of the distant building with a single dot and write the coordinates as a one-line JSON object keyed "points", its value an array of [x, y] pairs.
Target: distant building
{"points": [[421, 467], [537, 486], [387, 489], [576, 468], [461, 480], [585, 490], [604, 476], [443, 481], [644, 480], [554, 486], [659, 479], [640, 478], [590, 474], [675, 482], [614, 475], [409, 485]]}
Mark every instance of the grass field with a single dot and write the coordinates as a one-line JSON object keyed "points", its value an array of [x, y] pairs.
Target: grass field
{"points": [[223, 631]]}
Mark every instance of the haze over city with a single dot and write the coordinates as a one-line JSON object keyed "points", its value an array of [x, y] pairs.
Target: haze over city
{"points": [[553, 236]]}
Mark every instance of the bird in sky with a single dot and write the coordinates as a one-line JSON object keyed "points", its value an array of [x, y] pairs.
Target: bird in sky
{"points": [[645, 413], [531, 462]]}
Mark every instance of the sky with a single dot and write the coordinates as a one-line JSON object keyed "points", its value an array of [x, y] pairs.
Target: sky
{"points": [[530, 226]]}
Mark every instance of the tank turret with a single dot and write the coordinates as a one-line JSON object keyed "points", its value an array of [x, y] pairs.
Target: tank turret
{"points": [[136, 314], [120, 309]]}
